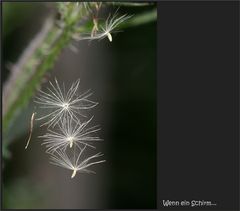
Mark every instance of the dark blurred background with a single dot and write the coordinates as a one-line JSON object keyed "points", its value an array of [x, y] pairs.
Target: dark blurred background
{"points": [[122, 75]]}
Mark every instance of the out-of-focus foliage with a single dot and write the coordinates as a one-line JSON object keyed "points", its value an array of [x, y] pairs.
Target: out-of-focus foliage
{"points": [[23, 194], [15, 15]]}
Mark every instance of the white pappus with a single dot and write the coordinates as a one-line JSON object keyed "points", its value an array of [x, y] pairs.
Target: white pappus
{"points": [[105, 30], [70, 133], [61, 158], [61, 103]]}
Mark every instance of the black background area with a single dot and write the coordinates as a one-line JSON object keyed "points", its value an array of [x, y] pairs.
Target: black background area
{"points": [[198, 103]]}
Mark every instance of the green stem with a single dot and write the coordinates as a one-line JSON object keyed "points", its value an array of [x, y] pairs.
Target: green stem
{"points": [[39, 58]]}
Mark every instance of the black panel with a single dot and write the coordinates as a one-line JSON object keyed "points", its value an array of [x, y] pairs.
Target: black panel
{"points": [[198, 103]]}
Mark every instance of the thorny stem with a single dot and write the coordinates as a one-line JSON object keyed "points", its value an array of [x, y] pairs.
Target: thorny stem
{"points": [[37, 59]]}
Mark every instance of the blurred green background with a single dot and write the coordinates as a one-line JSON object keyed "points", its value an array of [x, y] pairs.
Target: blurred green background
{"points": [[122, 75]]}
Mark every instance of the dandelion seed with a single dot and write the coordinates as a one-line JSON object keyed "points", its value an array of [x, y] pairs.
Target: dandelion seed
{"points": [[31, 129], [95, 27], [61, 103], [61, 158], [70, 133], [111, 24]]}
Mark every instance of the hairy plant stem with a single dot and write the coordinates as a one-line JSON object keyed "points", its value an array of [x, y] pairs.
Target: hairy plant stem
{"points": [[37, 59]]}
